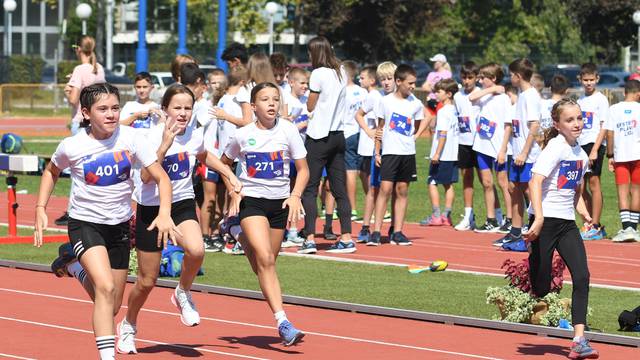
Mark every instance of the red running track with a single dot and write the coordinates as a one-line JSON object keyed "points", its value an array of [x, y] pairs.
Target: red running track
{"points": [[43, 317]]}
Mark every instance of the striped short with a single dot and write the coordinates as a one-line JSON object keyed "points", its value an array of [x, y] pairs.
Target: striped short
{"points": [[115, 238]]}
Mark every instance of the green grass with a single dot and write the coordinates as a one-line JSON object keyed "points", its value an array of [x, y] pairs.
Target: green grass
{"points": [[444, 292], [4, 231]]}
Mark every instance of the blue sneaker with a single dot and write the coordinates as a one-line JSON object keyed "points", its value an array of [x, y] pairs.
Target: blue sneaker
{"points": [[582, 350], [289, 334], [506, 239], [363, 236], [340, 247], [593, 234], [308, 247], [400, 239], [65, 257], [518, 245], [374, 239]]}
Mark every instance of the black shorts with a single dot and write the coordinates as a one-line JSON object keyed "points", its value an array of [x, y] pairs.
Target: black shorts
{"points": [[398, 168], [271, 209], [365, 166], [467, 158], [596, 169], [84, 235], [444, 172], [146, 240]]}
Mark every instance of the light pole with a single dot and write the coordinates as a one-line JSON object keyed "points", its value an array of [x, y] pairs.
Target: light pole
{"points": [[109, 34], [142, 54], [222, 34], [9, 6], [271, 8], [83, 11], [636, 19], [182, 28]]}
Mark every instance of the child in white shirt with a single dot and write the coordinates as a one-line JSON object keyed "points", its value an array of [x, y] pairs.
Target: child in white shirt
{"points": [[141, 113]]}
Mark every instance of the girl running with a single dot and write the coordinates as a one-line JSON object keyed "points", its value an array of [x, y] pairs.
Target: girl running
{"points": [[178, 146], [264, 149], [556, 186], [101, 157]]}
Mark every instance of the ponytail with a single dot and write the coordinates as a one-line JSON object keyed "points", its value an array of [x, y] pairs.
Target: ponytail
{"points": [[87, 45], [549, 134], [556, 110], [94, 62]]}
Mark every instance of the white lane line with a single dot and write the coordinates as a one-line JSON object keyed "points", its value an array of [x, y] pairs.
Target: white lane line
{"points": [[15, 357], [268, 327], [59, 327]]}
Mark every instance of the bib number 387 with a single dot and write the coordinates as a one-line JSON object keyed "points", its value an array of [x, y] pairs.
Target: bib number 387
{"points": [[570, 174], [107, 169], [265, 165]]}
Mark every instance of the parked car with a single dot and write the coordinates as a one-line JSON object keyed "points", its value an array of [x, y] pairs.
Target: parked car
{"points": [[160, 81], [613, 79], [112, 78], [570, 71]]}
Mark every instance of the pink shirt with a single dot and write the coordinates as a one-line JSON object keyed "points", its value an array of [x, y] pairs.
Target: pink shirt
{"points": [[436, 76], [82, 77]]}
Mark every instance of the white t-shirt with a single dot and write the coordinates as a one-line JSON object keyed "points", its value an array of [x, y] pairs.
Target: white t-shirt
{"points": [[545, 113], [178, 163], [297, 108], [527, 110], [225, 129], [563, 167], [446, 120], [494, 113], [265, 157], [595, 109], [132, 107], [355, 96], [366, 145], [400, 116], [101, 173], [624, 121], [467, 114], [329, 112], [200, 114]]}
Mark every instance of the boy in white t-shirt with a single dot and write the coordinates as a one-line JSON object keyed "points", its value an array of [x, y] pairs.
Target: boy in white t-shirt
{"points": [[595, 108], [396, 153], [623, 151], [141, 113], [216, 83], [194, 79], [559, 87], [444, 154]]}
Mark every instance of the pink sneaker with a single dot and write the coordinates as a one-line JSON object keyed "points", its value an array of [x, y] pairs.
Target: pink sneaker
{"points": [[435, 221], [445, 221]]}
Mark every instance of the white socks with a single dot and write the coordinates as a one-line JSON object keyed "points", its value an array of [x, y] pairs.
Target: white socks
{"points": [[499, 216], [106, 346], [468, 213], [77, 271], [280, 317]]}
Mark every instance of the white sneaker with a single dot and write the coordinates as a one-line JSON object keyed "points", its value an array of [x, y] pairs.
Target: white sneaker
{"points": [[126, 338], [465, 225], [625, 235], [188, 313]]}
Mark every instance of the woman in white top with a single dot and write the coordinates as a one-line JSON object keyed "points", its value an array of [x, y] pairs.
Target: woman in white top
{"points": [[259, 70], [265, 149], [101, 157], [555, 187]]}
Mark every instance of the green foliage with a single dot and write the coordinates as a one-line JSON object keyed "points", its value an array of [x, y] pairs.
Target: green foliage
{"points": [[65, 68], [556, 310], [133, 262], [244, 16], [515, 305], [25, 69]]}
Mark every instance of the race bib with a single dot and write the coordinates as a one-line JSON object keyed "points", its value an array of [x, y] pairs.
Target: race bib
{"points": [[516, 128], [265, 165], [587, 116], [486, 128], [570, 174], [400, 124], [176, 165], [463, 124], [107, 168], [141, 123]]}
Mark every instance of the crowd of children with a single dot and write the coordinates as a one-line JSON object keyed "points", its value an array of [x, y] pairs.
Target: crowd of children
{"points": [[266, 133]]}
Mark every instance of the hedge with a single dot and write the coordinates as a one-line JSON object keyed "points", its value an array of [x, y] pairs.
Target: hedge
{"points": [[25, 69]]}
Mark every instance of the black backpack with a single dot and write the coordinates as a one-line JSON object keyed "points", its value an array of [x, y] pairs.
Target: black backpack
{"points": [[629, 319]]}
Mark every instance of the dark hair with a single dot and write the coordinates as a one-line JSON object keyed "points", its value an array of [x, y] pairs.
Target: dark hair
{"points": [[523, 67], [559, 84], [235, 51], [371, 71], [632, 87], [177, 62], [447, 85], [190, 73], [492, 71], [508, 88], [92, 93], [173, 90], [402, 71], [588, 69], [262, 85], [278, 61], [322, 55], [351, 68], [556, 110], [142, 76], [469, 68]]}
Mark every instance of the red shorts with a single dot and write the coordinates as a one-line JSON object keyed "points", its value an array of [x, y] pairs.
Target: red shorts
{"points": [[627, 171]]}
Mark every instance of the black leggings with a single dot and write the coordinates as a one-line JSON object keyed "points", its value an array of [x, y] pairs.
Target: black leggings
{"points": [[329, 152], [564, 236]]}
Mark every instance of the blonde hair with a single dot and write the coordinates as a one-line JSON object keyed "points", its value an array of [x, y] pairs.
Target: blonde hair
{"points": [[259, 69], [386, 69], [446, 66], [557, 109], [87, 46]]}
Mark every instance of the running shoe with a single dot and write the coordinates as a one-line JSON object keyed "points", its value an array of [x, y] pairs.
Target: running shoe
{"points": [[65, 257], [488, 227], [446, 220], [518, 245], [387, 217], [182, 300], [229, 244], [506, 239], [328, 234], [506, 226], [289, 334], [292, 239], [308, 247], [355, 216], [466, 224], [432, 220], [213, 243], [237, 249], [341, 247], [62, 220], [582, 350], [374, 239], [363, 236], [399, 239], [628, 234], [593, 234], [126, 338]]}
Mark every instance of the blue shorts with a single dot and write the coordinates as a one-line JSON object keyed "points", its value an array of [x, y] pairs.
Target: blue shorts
{"points": [[487, 162], [520, 174], [375, 174], [352, 159], [444, 172]]}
